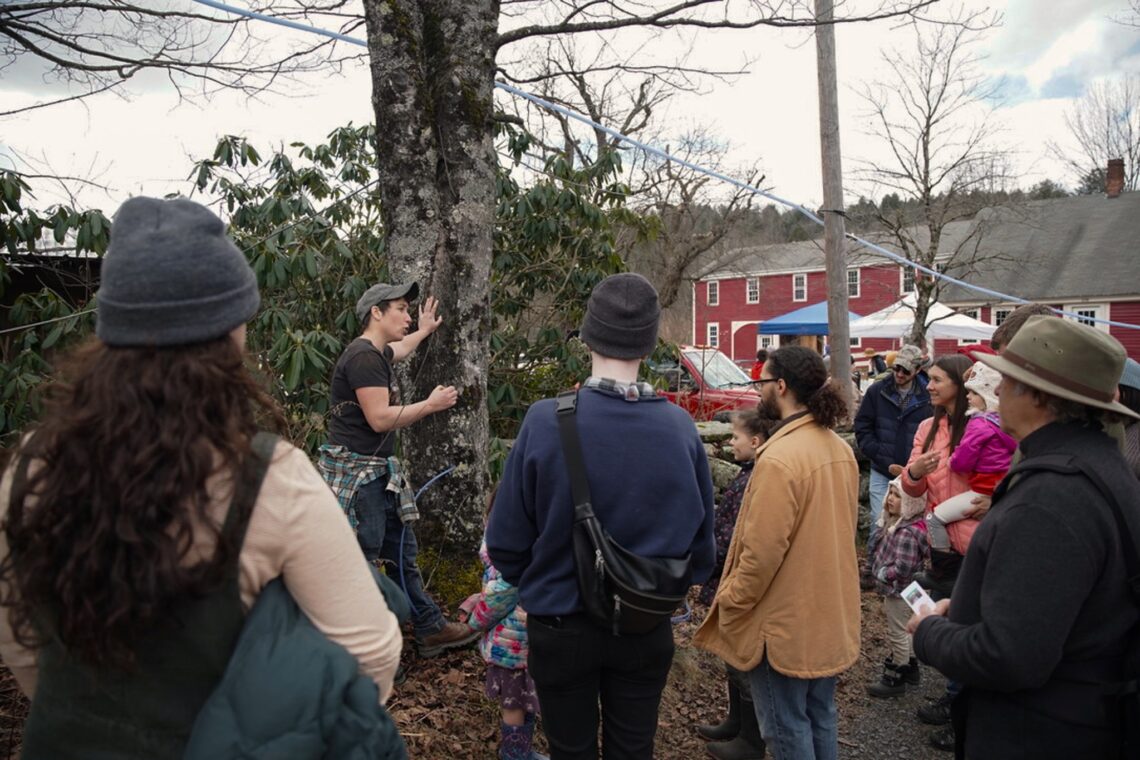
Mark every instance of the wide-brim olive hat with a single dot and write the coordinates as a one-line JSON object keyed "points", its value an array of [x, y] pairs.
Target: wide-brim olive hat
{"points": [[1065, 359], [385, 292]]}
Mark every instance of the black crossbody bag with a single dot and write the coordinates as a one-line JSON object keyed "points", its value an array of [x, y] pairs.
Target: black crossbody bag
{"points": [[620, 590]]}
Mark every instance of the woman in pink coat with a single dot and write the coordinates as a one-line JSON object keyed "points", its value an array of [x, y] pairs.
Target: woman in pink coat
{"points": [[983, 456], [928, 472]]}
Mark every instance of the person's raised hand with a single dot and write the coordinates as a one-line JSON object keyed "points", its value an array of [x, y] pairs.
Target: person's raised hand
{"points": [[924, 464], [429, 315]]}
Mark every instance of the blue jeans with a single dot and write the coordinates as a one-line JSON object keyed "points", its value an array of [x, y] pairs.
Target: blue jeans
{"points": [[878, 494], [380, 534], [797, 715]]}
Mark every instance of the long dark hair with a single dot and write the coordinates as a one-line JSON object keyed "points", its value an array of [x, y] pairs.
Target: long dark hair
{"points": [[117, 484], [804, 373], [955, 366]]}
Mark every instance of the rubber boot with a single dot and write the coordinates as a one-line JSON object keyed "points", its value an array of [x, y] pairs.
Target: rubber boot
{"points": [[517, 742], [911, 673], [730, 726], [890, 684], [748, 744]]}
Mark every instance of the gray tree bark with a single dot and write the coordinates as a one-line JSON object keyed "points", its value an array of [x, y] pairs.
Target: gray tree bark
{"points": [[433, 71]]}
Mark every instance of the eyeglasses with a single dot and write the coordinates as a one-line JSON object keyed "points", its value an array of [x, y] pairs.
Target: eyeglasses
{"points": [[900, 370], [763, 380]]}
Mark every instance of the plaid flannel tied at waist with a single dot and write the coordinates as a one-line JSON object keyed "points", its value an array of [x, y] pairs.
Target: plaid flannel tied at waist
{"points": [[347, 472]]}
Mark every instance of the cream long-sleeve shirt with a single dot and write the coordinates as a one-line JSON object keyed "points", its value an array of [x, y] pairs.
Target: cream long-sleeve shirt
{"points": [[296, 531]]}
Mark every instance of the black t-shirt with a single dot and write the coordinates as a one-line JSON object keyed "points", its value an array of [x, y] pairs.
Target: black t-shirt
{"points": [[361, 365]]}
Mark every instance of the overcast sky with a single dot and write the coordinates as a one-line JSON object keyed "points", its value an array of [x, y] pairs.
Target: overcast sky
{"points": [[1046, 59]]}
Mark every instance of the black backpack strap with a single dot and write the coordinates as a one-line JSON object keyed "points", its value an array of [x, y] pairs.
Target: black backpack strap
{"points": [[247, 485], [566, 410], [1067, 464]]}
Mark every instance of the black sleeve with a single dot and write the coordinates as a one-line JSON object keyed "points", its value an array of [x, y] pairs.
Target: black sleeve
{"points": [[367, 370], [1040, 577]]}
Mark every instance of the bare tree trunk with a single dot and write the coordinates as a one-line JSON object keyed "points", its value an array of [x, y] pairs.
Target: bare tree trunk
{"points": [[834, 240], [432, 76]]}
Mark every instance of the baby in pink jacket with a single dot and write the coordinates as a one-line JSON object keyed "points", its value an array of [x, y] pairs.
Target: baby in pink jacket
{"points": [[983, 455]]}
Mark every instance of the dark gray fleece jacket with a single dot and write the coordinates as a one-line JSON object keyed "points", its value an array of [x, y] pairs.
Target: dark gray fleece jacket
{"points": [[1041, 604]]}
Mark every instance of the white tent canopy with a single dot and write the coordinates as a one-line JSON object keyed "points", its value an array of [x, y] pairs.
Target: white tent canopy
{"points": [[896, 320]]}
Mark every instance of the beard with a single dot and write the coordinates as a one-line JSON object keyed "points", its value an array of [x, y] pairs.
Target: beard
{"points": [[768, 410]]}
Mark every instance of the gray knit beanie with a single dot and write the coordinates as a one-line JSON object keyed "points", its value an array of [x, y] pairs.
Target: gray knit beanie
{"points": [[622, 317], [171, 276]]}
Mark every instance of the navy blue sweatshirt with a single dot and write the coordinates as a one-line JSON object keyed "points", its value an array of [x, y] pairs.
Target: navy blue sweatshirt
{"points": [[650, 487]]}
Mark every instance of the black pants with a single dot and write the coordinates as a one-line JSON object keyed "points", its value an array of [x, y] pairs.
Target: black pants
{"points": [[575, 664]]}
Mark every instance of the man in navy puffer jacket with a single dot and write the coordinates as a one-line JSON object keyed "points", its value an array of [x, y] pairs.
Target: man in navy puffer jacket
{"points": [[888, 418]]}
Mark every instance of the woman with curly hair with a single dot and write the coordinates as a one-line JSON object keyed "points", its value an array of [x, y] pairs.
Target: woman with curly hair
{"points": [[145, 513]]}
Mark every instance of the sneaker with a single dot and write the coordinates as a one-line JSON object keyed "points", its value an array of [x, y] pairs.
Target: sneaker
{"points": [[943, 739], [937, 713], [451, 636]]}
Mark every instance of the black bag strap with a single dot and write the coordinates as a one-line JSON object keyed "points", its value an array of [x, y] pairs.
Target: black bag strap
{"points": [[566, 410], [247, 485], [1068, 464]]}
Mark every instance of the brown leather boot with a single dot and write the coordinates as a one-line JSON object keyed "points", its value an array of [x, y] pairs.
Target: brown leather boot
{"points": [[452, 636]]}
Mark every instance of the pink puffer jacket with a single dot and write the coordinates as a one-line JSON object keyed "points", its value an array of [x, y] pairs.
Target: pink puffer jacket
{"points": [[942, 483], [984, 447]]}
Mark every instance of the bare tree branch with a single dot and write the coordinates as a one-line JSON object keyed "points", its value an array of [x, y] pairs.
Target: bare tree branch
{"points": [[1104, 124], [933, 117], [698, 14], [99, 45]]}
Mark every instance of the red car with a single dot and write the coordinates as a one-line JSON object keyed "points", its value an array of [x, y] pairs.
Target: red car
{"points": [[704, 382]]}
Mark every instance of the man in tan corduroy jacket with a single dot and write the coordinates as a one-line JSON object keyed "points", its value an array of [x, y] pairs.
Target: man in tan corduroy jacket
{"points": [[787, 610]]}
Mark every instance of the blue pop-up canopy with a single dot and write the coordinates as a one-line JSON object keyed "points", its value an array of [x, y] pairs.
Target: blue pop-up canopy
{"points": [[809, 320]]}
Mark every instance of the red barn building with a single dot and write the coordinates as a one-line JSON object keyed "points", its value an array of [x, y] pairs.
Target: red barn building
{"points": [[1081, 254]]}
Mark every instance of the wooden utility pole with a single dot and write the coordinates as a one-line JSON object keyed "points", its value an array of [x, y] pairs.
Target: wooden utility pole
{"points": [[834, 240]]}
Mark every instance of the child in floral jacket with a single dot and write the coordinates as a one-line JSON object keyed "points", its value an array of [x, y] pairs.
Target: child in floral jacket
{"points": [[898, 550], [496, 612]]}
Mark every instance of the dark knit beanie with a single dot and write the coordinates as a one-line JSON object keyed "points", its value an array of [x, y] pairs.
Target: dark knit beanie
{"points": [[171, 276], [622, 317]]}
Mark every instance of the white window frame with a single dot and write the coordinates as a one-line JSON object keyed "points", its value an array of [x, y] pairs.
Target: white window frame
{"points": [[752, 290], [858, 282], [1007, 310], [766, 341], [973, 314], [1099, 311], [712, 292], [712, 334], [856, 342], [902, 278], [803, 279]]}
